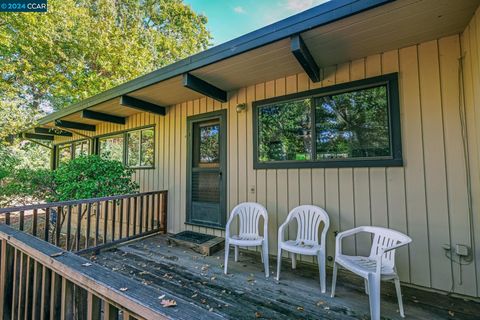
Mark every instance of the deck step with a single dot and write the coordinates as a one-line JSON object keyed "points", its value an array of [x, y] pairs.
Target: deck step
{"points": [[208, 247]]}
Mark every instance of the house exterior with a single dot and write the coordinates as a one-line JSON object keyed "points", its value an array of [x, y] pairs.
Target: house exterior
{"points": [[214, 130]]}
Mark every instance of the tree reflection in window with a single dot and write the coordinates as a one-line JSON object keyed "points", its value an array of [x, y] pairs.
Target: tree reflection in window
{"points": [[353, 125], [209, 144], [285, 131], [112, 148]]}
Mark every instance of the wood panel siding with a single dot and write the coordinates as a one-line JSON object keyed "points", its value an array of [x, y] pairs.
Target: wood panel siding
{"points": [[427, 198], [465, 226]]}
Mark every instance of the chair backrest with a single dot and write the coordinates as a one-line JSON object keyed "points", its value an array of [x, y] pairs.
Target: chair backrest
{"points": [[384, 238], [249, 214], [308, 221]]}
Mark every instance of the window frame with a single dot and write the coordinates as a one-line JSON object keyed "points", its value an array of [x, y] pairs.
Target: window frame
{"points": [[124, 133], [72, 149], [395, 160], [140, 148]]}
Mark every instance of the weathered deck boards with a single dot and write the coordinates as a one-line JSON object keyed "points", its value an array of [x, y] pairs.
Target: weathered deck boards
{"points": [[246, 294]]}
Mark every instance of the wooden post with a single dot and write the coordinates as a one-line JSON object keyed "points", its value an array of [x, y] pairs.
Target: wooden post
{"points": [[58, 226], [67, 300], [164, 212], [22, 220], [69, 227], [105, 222], [114, 216], [129, 205], [79, 227], [6, 280], [93, 307], [120, 232], [89, 217], [110, 312], [46, 294], [35, 222], [47, 224]]}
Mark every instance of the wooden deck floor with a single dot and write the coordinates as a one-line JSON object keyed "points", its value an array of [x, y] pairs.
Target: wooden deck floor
{"points": [[245, 293]]}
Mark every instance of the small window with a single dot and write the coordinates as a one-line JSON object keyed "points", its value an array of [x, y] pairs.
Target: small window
{"points": [[81, 148], [141, 148], [64, 154], [354, 124], [112, 147]]}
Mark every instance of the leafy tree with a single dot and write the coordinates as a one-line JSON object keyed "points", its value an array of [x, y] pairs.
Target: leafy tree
{"points": [[82, 47]]}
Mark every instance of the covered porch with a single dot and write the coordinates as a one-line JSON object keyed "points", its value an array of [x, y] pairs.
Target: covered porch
{"points": [[174, 272]]}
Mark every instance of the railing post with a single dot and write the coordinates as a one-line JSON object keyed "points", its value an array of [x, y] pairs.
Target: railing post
{"points": [[79, 227], [47, 224], [164, 212], [35, 222], [93, 307], [67, 299], [6, 279]]}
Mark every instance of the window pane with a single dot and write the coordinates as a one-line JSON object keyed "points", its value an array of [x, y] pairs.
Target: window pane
{"points": [[64, 154], [209, 144], [81, 148], [133, 140], [112, 148], [285, 131], [148, 147], [353, 125]]}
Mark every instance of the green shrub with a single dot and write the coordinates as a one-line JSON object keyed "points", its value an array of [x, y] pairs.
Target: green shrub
{"points": [[81, 178], [92, 177]]}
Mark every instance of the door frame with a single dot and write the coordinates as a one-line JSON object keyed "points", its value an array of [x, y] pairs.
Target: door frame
{"points": [[221, 115]]}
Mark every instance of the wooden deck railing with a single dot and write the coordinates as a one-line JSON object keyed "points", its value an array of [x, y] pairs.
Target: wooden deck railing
{"points": [[81, 225], [40, 281]]}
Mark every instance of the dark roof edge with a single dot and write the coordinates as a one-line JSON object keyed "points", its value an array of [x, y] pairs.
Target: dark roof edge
{"points": [[306, 20]]}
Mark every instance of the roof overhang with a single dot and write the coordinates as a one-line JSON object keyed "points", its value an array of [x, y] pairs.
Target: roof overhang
{"points": [[334, 32]]}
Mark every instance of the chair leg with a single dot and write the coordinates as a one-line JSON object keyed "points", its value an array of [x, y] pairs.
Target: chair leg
{"points": [[294, 260], [236, 253], [334, 279], [399, 297], [366, 285], [265, 259], [321, 267], [279, 262], [261, 254], [374, 296], [225, 263]]}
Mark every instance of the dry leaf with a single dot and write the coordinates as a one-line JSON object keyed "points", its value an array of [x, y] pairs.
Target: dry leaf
{"points": [[161, 297], [167, 303], [58, 254], [123, 289], [451, 313], [300, 308], [258, 315], [194, 295], [86, 264]]}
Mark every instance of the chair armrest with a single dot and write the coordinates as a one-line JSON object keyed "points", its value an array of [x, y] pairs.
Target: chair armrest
{"points": [[343, 234], [281, 231]]}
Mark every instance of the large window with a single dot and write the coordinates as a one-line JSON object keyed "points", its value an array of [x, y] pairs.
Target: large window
{"points": [[135, 149], [348, 125]]}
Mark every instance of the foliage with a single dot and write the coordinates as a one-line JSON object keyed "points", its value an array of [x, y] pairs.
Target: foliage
{"points": [[92, 177], [81, 178], [82, 47], [24, 186]]}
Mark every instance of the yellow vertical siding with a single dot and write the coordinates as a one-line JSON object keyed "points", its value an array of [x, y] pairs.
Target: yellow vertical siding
{"points": [[427, 198]]}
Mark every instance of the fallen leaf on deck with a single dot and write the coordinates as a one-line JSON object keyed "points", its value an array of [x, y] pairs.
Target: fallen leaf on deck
{"points": [[86, 264], [300, 308], [258, 315], [194, 295], [123, 289], [58, 254], [167, 303], [319, 303], [451, 313], [213, 278], [203, 301], [161, 297], [211, 309]]}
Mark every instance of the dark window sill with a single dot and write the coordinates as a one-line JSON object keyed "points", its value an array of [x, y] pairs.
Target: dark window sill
{"points": [[329, 164]]}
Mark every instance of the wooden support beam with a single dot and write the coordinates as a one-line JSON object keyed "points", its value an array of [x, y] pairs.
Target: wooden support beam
{"points": [[304, 57], [53, 131], [138, 104], [74, 125], [89, 114], [203, 87], [37, 136]]}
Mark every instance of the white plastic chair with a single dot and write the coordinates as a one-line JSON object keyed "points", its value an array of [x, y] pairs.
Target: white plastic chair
{"points": [[308, 222], [249, 214], [380, 265]]}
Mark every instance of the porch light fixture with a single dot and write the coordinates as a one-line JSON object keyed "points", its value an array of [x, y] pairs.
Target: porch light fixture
{"points": [[241, 107]]}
